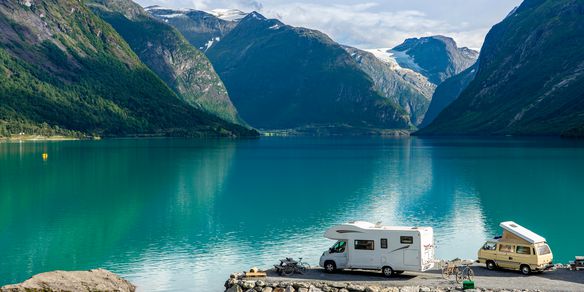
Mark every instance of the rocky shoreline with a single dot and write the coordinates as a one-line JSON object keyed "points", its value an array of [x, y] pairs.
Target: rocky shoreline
{"points": [[316, 280], [92, 280], [235, 285]]}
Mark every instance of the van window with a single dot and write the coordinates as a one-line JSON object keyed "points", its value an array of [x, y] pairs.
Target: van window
{"points": [[523, 250], [490, 246], [364, 244], [543, 249], [406, 239], [384, 243], [505, 248]]}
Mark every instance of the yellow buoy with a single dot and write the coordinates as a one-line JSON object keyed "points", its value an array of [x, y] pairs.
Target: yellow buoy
{"points": [[45, 156]]}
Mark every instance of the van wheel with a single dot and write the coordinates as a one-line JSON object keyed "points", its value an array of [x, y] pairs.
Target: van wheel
{"points": [[387, 271], [525, 270], [491, 265], [330, 266]]}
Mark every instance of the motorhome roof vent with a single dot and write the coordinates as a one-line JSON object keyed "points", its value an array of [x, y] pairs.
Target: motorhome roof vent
{"points": [[378, 224]]}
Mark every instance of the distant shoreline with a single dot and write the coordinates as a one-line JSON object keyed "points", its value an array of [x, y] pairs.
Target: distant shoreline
{"points": [[18, 138]]}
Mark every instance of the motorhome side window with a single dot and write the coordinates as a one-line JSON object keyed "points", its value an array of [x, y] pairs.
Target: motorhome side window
{"points": [[406, 239], [523, 250], [505, 248], [384, 243], [364, 244]]}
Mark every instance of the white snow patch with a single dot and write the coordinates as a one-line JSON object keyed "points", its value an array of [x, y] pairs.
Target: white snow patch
{"points": [[172, 15], [404, 60], [275, 26], [210, 43], [228, 14]]}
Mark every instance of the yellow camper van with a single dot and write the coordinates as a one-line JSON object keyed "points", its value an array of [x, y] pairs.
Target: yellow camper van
{"points": [[518, 249]]}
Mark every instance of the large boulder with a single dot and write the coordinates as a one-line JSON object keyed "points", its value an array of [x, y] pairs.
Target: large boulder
{"points": [[92, 280]]}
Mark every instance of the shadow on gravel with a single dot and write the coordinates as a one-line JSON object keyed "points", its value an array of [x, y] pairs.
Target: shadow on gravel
{"points": [[345, 275], [559, 275]]}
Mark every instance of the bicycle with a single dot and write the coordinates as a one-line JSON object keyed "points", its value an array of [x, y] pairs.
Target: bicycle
{"points": [[466, 273], [302, 266]]}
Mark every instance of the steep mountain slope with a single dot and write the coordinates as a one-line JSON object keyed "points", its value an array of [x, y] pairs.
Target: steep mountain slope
{"points": [[530, 79], [64, 70], [280, 77], [162, 48], [411, 90], [202, 29], [436, 57], [447, 92]]}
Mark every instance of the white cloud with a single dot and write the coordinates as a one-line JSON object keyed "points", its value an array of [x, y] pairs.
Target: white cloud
{"points": [[374, 23]]}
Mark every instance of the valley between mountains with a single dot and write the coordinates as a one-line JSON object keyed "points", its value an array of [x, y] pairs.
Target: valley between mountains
{"points": [[114, 68]]}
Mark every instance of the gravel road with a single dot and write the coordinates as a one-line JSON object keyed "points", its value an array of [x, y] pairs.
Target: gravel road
{"points": [[559, 280]]}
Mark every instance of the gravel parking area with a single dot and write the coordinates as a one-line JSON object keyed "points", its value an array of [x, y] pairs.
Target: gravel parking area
{"points": [[558, 280]]}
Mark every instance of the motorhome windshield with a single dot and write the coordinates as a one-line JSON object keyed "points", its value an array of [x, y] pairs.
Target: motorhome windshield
{"points": [[543, 249], [339, 247]]}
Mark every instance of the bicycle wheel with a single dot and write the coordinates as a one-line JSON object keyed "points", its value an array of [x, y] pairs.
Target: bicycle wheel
{"points": [[469, 274], [459, 276], [445, 272], [288, 271], [303, 267]]}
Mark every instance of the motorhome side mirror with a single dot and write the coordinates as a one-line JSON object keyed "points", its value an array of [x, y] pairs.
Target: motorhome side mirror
{"points": [[330, 250]]}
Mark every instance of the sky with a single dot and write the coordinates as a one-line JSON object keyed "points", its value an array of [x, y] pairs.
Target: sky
{"points": [[373, 23]]}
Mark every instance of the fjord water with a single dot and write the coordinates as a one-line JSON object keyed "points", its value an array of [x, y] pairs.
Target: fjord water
{"points": [[180, 215]]}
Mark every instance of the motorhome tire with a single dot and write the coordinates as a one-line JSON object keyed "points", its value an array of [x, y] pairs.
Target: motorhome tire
{"points": [[525, 269], [491, 265], [387, 271], [330, 266]]}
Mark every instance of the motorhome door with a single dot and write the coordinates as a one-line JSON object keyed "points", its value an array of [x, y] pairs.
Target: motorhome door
{"points": [[410, 252]]}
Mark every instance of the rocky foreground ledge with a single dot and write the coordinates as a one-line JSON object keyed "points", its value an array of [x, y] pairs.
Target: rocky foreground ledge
{"points": [[316, 280], [262, 286], [92, 280]]}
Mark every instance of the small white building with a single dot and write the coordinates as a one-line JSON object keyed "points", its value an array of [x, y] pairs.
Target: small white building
{"points": [[391, 249]]}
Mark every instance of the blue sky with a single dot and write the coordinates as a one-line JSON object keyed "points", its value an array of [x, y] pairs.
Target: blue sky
{"points": [[375, 23]]}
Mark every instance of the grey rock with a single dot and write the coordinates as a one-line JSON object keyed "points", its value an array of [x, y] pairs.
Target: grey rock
{"points": [[248, 284], [234, 288], [267, 289], [356, 288]]}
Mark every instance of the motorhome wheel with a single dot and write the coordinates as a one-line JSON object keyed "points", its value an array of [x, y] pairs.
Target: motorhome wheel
{"points": [[525, 270], [330, 266], [387, 271], [491, 265]]}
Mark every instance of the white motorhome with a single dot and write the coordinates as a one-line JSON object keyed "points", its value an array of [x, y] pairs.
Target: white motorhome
{"points": [[391, 249]]}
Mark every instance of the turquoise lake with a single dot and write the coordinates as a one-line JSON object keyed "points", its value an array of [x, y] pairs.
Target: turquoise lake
{"points": [[181, 215]]}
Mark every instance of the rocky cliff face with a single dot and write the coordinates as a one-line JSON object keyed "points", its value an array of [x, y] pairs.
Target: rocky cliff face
{"points": [[405, 87], [436, 57], [64, 69], [447, 92], [530, 77], [163, 49]]}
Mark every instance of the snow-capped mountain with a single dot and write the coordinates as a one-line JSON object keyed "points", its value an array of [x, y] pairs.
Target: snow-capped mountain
{"points": [[403, 86], [203, 29], [436, 57]]}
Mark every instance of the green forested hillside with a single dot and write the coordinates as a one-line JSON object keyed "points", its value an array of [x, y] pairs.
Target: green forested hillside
{"points": [[530, 77], [164, 50], [63, 70], [281, 77]]}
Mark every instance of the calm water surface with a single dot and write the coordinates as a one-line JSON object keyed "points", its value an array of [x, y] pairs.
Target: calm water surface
{"points": [[180, 215]]}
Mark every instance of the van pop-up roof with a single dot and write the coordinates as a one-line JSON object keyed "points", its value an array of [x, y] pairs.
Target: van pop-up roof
{"points": [[515, 232]]}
